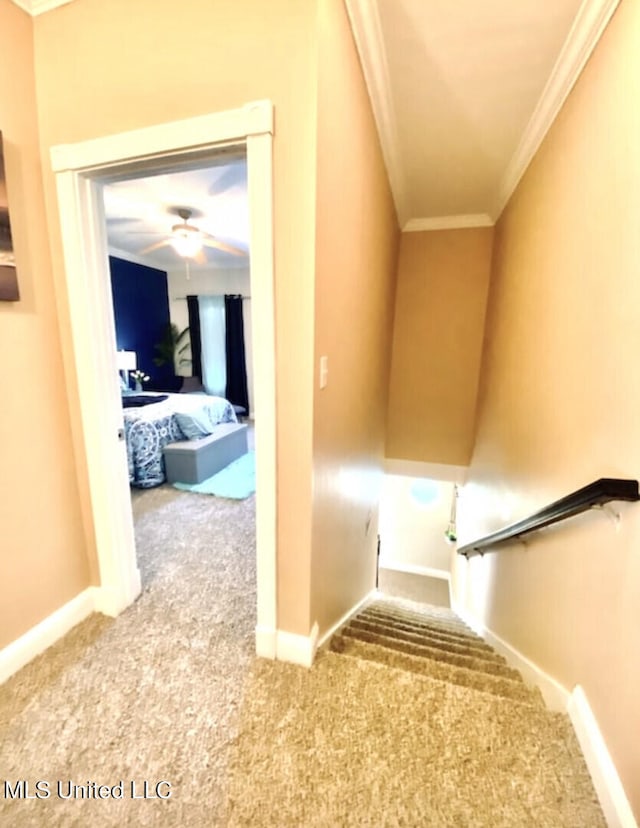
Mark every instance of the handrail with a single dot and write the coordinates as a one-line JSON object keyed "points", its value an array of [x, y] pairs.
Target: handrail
{"points": [[595, 494]]}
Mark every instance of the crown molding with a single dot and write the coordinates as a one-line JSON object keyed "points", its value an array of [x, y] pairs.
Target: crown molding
{"points": [[178, 267], [367, 33], [119, 253], [36, 7], [587, 28], [448, 223]]}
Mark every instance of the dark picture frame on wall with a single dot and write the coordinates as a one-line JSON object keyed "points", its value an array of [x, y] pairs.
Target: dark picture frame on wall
{"points": [[9, 291]]}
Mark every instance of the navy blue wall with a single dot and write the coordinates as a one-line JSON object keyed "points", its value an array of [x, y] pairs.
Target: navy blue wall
{"points": [[141, 310]]}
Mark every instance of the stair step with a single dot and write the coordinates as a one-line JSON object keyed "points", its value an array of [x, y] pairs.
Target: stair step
{"points": [[446, 624], [469, 640], [421, 621], [470, 662], [513, 689], [426, 628], [401, 605], [427, 639], [413, 607]]}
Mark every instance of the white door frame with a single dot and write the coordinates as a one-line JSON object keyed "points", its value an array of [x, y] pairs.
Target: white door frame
{"points": [[81, 170]]}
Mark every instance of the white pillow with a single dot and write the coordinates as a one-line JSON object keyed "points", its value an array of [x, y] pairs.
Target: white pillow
{"points": [[195, 425]]}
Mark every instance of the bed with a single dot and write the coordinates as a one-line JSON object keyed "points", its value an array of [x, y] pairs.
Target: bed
{"points": [[150, 427]]}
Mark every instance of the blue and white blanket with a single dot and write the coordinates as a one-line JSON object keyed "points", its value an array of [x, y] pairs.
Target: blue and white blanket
{"points": [[148, 430]]}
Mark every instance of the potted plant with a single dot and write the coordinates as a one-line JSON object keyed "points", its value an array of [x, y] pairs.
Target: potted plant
{"points": [[169, 348]]}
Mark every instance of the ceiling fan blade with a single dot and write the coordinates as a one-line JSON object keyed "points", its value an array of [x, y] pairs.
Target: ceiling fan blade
{"points": [[199, 257], [209, 241], [231, 177], [113, 220], [155, 246]]}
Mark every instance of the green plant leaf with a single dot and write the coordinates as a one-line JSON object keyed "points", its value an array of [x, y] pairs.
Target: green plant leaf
{"points": [[166, 348]]}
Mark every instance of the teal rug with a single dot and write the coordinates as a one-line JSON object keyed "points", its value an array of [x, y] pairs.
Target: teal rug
{"points": [[237, 481]]}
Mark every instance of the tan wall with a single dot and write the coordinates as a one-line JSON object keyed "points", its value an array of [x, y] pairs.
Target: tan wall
{"points": [[104, 68], [561, 400], [42, 553], [356, 248], [443, 279]]}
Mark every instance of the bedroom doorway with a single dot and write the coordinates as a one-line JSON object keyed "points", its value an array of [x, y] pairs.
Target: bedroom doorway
{"points": [[81, 171]]}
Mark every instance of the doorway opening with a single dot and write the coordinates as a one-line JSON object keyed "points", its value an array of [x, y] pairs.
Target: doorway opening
{"points": [[415, 549], [81, 172]]}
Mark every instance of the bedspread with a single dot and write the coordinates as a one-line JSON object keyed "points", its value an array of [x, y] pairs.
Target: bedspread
{"points": [[148, 430]]}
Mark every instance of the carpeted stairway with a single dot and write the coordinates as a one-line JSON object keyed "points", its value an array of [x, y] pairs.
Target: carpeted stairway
{"points": [[406, 719], [495, 756], [434, 642]]}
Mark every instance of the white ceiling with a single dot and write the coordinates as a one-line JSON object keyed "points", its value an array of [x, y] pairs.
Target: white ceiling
{"points": [[36, 7], [463, 92], [141, 212]]}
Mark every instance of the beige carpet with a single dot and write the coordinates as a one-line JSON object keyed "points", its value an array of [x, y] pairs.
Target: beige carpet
{"points": [[356, 743], [171, 691], [152, 695]]}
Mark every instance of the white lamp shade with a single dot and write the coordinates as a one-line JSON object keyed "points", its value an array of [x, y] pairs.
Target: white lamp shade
{"points": [[126, 360]]}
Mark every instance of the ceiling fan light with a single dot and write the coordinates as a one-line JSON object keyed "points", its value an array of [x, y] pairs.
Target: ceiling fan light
{"points": [[186, 244]]}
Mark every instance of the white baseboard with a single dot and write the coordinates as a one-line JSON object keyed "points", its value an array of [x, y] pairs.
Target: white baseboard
{"points": [[345, 618], [297, 649], [613, 800], [555, 695], [300, 649], [606, 781], [21, 651], [415, 569], [112, 602], [266, 638]]}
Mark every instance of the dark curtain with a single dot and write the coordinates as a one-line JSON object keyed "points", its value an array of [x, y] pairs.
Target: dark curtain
{"points": [[194, 334], [237, 393]]}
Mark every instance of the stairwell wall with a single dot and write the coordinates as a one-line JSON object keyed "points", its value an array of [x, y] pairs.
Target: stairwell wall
{"points": [[443, 281], [356, 250], [560, 399]]}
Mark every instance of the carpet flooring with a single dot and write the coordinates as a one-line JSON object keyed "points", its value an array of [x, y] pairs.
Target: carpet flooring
{"points": [[171, 691], [152, 695]]}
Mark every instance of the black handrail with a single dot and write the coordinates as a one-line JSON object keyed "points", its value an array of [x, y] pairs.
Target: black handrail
{"points": [[595, 494]]}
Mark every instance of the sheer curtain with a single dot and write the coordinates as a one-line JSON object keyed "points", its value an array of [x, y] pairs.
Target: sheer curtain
{"points": [[213, 343]]}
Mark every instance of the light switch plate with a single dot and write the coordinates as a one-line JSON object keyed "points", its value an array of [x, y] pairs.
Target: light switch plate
{"points": [[324, 371]]}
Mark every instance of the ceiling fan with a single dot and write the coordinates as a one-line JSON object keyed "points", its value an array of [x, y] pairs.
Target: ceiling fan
{"points": [[188, 240]]}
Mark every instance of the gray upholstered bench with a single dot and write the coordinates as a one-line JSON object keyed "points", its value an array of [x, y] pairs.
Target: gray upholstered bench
{"points": [[192, 461]]}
